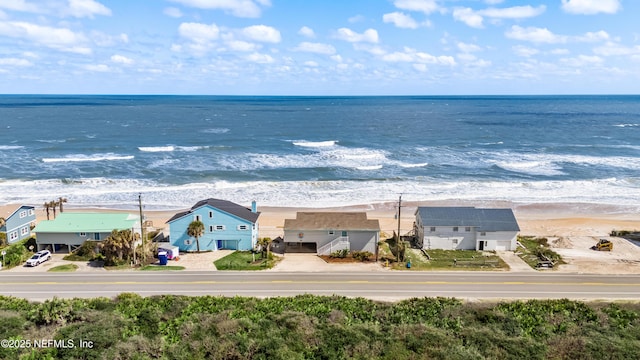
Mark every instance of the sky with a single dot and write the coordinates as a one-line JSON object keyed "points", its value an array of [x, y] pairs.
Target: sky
{"points": [[320, 47]]}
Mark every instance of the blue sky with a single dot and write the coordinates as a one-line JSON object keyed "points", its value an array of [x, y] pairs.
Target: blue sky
{"points": [[319, 47]]}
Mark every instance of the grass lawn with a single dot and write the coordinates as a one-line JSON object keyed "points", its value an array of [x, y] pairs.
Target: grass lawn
{"points": [[444, 260], [64, 268], [243, 260], [535, 246], [161, 267]]}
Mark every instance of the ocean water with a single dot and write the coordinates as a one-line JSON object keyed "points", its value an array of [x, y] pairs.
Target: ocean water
{"points": [[318, 151]]}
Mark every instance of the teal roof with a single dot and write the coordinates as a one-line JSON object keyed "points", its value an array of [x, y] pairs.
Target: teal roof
{"points": [[69, 222]]}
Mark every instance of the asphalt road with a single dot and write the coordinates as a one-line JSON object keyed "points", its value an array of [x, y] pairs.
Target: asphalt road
{"points": [[387, 286]]}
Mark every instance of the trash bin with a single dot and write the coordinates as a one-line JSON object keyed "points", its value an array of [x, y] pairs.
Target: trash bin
{"points": [[408, 264], [162, 257]]}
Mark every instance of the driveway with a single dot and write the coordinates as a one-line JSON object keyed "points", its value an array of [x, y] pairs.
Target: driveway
{"points": [[312, 263]]}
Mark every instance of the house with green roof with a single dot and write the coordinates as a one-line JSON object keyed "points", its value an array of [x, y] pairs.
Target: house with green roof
{"points": [[69, 230]]}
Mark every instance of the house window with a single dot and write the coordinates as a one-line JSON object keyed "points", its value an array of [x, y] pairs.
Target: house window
{"points": [[23, 213], [467, 229], [24, 230], [454, 241], [96, 236], [82, 234], [210, 214], [197, 218], [220, 227], [243, 227], [483, 234], [13, 235], [344, 234], [31, 212], [210, 228], [331, 232], [433, 229], [455, 229]]}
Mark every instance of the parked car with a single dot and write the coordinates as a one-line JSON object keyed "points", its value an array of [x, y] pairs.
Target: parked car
{"points": [[39, 257]]}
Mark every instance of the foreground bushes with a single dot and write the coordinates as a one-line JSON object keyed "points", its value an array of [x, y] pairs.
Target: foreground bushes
{"points": [[313, 327]]}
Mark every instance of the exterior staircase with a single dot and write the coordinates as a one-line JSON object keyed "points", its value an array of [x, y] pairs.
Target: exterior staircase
{"points": [[339, 243]]}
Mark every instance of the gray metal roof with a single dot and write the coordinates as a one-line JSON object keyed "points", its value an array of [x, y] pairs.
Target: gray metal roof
{"points": [[482, 219], [331, 221], [223, 205]]}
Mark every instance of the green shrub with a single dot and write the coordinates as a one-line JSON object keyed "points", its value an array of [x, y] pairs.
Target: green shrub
{"points": [[340, 254], [17, 253], [361, 255]]}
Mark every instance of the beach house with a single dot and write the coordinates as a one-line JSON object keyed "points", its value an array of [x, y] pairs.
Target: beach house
{"points": [[70, 230], [466, 228], [326, 232], [16, 222], [227, 225]]}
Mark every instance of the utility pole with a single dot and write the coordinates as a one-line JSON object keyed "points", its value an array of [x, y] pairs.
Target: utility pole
{"points": [[144, 254], [398, 239]]}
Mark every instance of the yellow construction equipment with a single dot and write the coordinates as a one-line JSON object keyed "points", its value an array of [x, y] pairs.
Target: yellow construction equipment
{"points": [[603, 245]]}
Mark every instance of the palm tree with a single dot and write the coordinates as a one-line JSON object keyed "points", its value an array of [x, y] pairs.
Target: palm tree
{"points": [[265, 244], [196, 229], [53, 204], [60, 201], [47, 207], [2, 221]]}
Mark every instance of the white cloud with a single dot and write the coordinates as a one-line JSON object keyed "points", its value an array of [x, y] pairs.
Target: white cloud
{"points": [[524, 51], [400, 20], [239, 8], [97, 67], [468, 16], [317, 48], [467, 48], [346, 34], [421, 67], [560, 51], [260, 58], [120, 59], [515, 12], [199, 33], [534, 34], [544, 35], [614, 49], [425, 6], [262, 33], [493, 2], [411, 55], [475, 18], [311, 63], [19, 5], [14, 62], [87, 8], [582, 60], [356, 19], [307, 32], [56, 38], [590, 7], [237, 45], [173, 12]]}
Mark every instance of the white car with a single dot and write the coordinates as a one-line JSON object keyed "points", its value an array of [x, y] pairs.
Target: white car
{"points": [[39, 257]]}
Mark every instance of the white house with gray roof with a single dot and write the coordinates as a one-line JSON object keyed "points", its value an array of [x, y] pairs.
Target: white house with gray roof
{"points": [[326, 232], [466, 228]]}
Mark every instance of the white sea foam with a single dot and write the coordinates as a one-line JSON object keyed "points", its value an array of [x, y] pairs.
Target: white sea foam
{"points": [[315, 144], [157, 148], [369, 167], [546, 168], [124, 192], [215, 131], [83, 158], [170, 148], [407, 165], [626, 125], [11, 147]]}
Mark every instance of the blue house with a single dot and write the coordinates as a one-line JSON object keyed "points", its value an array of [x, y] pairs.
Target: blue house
{"points": [[18, 221], [226, 226]]}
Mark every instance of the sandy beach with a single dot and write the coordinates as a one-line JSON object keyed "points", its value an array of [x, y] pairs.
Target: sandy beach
{"points": [[572, 228]]}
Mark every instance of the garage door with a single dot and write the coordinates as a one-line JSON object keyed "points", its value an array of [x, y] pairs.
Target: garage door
{"points": [[503, 245]]}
